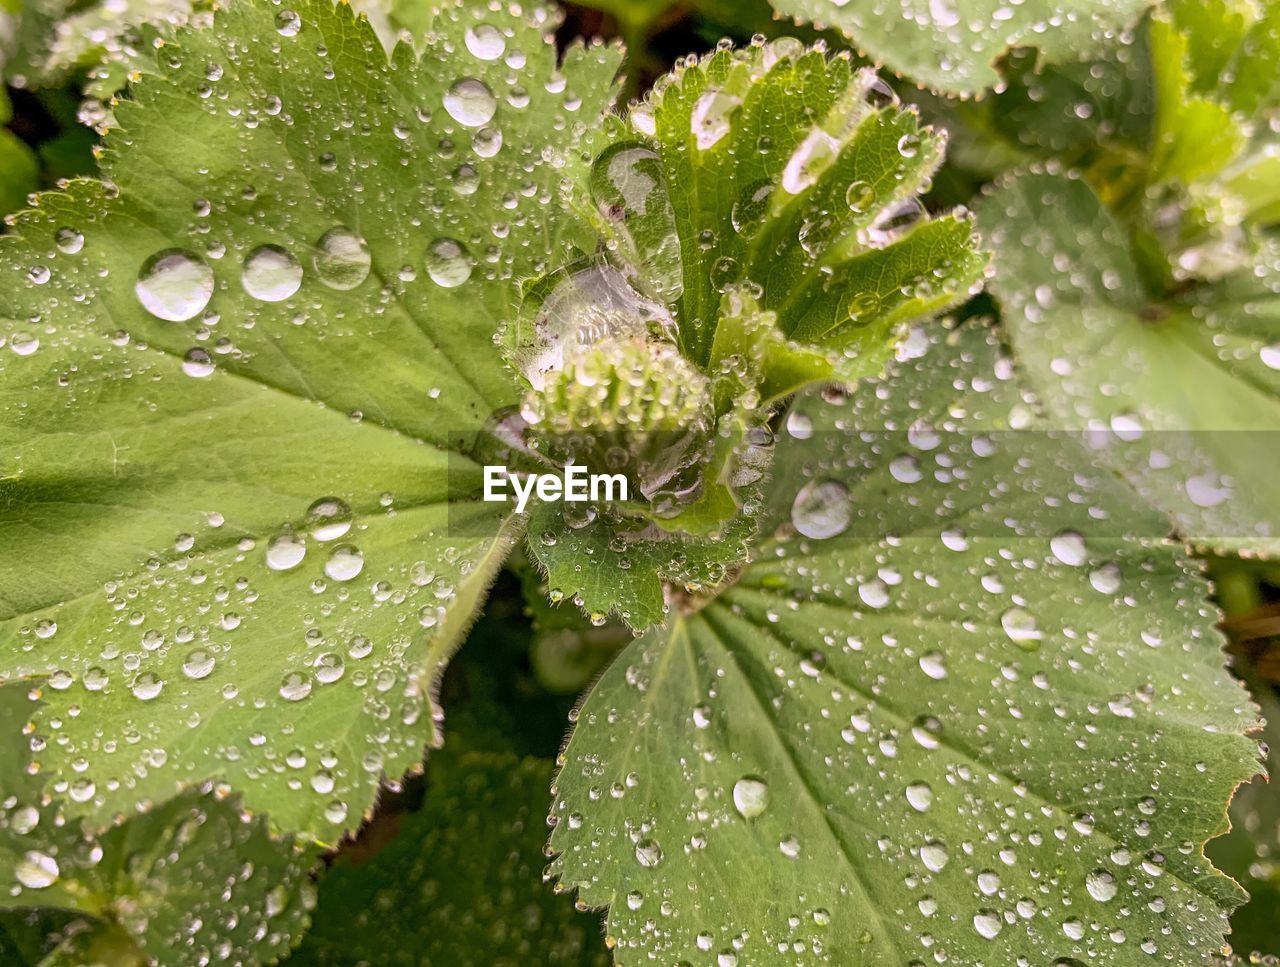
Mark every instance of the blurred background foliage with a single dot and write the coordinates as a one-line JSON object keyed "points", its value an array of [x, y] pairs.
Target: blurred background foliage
{"points": [[445, 844]]}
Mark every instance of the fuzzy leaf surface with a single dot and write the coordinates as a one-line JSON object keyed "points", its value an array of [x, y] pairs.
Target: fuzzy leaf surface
{"points": [[964, 702], [1185, 391], [952, 46], [240, 394]]}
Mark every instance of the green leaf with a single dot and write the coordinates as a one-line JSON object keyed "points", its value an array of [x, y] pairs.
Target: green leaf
{"points": [[760, 215], [1184, 389], [460, 885], [241, 389], [965, 702], [19, 172], [797, 175], [953, 45], [192, 878]]}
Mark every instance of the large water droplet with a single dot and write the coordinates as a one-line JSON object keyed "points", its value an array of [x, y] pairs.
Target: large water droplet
{"points": [[988, 924], [345, 563], [198, 663], [485, 42], [648, 853], [342, 259], [448, 263], [295, 686], [1020, 625], [920, 796], [271, 274], [1069, 548], [36, 870], [1101, 885], [174, 285], [329, 518], [285, 551], [933, 855], [750, 796], [147, 686], [470, 102], [822, 509], [710, 120]]}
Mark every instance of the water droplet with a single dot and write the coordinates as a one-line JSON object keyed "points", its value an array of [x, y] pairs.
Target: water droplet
{"points": [[1069, 548], [1106, 579], [486, 42], [329, 667], [1270, 356], [285, 551], [648, 853], [814, 154], [174, 285], [295, 686], [198, 663], [933, 855], [470, 102], [988, 924], [271, 274], [710, 120], [69, 241], [198, 363], [147, 686], [822, 509], [934, 665], [1101, 885], [789, 847], [448, 263], [750, 796], [909, 145], [345, 563], [1020, 625], [860, 196], [288, 23], [342, 259], [920, 796], [750, 207], [328, 518], [36, 870]]}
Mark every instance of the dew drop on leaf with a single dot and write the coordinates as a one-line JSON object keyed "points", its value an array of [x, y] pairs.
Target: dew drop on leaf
{"points": [[69, 241], [470, 102], [1069, 548], [198, 663], [1101, 885], [448, 263], [750, 796], [1021, 627], [988, 924], [822, 509], [648, 853], [345, 563], [295, 686], [485, 42], [328, 518], [342, 259], [174, 285], [271, 274], [36, 870], [197, 363], [147, 686], [934, 856], [285, 551]]}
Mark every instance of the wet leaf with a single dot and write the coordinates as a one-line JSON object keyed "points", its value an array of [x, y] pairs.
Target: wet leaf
{"points": [[965, 702], [244, 391], [187, 882], [952, 45], [460, 885], [1182, 392]]}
